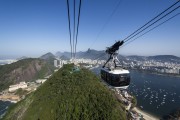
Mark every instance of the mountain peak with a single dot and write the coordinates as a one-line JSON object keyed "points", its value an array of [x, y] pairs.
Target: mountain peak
{"points": [[63, 57], [47, 56], [91, 50]]}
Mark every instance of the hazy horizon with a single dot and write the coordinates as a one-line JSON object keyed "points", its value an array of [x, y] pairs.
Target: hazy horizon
{"points": [[54, 53]]}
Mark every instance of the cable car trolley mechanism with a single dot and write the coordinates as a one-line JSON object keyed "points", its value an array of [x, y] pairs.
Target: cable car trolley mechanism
{"points": [[112, 71]]}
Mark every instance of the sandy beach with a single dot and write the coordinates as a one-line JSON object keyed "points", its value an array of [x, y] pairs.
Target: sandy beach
{"points": [[146, 116]]}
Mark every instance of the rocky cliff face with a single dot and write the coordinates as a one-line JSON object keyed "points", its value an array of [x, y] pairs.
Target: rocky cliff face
{"points": [[23, 70]]}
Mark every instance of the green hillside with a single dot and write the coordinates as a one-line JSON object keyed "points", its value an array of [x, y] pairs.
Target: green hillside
{"points": [[71, 96], [23, 70], [49, 58]]}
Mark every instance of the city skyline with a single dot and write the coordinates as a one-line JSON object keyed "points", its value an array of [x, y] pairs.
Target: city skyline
{"points": [[33, 28]]}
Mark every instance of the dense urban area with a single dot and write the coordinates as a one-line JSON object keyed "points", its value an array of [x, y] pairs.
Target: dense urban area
{"points": [[155, 66]]}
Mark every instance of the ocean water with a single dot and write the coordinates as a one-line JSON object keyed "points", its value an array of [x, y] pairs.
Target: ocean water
{"points": [[156, 94], [3, 107]]}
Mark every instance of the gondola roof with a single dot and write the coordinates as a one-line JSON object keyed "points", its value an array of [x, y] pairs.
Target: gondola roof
{"points": [[116, 71]]}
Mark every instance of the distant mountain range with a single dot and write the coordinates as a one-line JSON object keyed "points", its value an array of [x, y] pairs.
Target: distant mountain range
{"points": [[89, 54], [159, 58], [49, 58], [101, 55], [165, 58]]}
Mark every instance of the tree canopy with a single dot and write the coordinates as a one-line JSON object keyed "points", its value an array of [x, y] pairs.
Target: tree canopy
{"points": [[69, 95]]}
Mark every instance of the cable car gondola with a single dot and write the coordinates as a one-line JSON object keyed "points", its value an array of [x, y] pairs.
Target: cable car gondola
{"points": [[115, 75]]}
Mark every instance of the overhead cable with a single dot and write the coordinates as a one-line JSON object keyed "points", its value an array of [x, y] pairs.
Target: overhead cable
{"points": [[74, 29], [152, 29], [69, 26], [152, 20], [152, 24], [77, 27], [107, 21]]}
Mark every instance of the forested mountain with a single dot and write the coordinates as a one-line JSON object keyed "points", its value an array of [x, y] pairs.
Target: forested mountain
{"points": [[23, 70], [67, 54], [69, 95], [94, 54], [47, 56], [63, 57]]}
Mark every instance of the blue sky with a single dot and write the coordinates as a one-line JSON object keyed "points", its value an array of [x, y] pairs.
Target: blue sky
{"points": [[34, 27]]}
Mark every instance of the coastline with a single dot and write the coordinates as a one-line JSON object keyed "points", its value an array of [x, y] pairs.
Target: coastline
{"points": [[4, 105], [156, 73], [11, 101], [10, 98], [146, 115]]}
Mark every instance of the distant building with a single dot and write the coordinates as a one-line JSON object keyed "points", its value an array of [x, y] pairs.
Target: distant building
{"points": [[62, 62], [55, 63], [40, 81], [47, 76], [17, 86]]}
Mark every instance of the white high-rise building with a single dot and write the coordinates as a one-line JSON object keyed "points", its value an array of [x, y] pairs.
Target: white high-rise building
{"points": [[56, 63]]}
